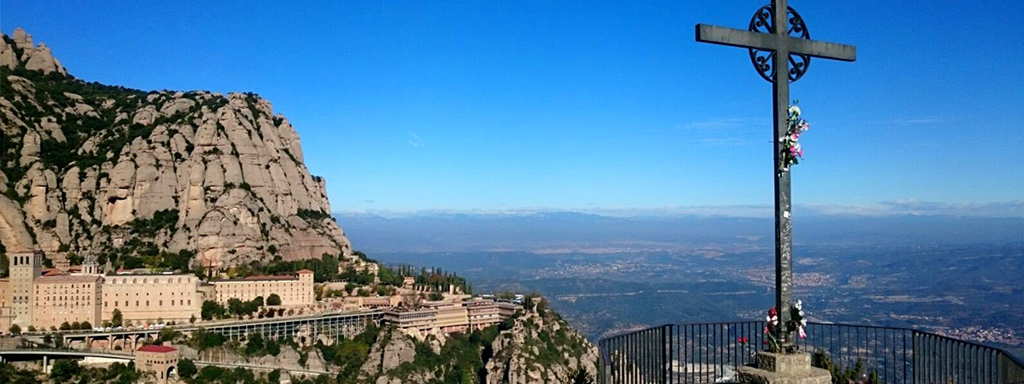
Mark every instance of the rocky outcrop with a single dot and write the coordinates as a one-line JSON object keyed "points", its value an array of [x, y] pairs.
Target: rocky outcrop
{"points": [[535, 347], [540, 348], [34, 58], [96, 169], [389, 353]]}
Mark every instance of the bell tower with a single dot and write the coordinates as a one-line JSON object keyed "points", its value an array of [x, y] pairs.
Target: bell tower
{"points": [[25, 268]]}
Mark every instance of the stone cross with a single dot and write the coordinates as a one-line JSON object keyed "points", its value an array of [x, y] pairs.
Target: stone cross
{"points": [[780, 48]]}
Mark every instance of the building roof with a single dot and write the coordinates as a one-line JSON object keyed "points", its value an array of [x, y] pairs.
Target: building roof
{"points": [[157, 348], [52, 272], [259, 278], [303, 271], [60, 279]]}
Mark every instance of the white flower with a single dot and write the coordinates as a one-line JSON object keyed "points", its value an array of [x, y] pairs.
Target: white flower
{"points": [[799, 303], [803, 322], [794, 110]]}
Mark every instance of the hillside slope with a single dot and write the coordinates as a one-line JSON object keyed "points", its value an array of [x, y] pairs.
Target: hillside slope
{"points": [[91, 169]]}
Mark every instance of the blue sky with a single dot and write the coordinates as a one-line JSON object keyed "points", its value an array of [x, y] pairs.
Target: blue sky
{"points": [[493, 105]]}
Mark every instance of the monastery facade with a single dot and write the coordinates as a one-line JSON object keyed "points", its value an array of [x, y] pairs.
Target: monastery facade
{"points": [[45, 300]]}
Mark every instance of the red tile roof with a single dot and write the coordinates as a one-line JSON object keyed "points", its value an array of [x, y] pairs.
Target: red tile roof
{"points": [[301, 271], [157, 348]]}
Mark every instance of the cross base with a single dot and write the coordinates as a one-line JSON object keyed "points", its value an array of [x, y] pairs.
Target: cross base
{"points": [[778, 368]]}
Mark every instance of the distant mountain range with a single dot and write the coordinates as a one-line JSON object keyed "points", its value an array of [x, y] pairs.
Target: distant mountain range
{"points": [[554, 231]]}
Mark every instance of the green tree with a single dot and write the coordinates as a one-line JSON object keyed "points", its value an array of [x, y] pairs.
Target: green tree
{"points": [[236, 307], [65, 326], [203, 339], [168, 334], [117, 319], [258, 301], [63, 370], [85, 325], [186, 368], [14, 329], [254, 346], [273, 299], [212, 310], [273, 348]]}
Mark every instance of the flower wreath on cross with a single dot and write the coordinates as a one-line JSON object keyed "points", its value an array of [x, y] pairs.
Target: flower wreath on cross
{"points": [[797, 323], [791, 150]]}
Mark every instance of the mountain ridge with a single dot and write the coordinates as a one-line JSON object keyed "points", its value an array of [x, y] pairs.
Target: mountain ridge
{"points": [[93, 170]]}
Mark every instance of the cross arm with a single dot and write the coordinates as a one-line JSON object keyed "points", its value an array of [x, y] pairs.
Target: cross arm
{"points": [[765, 41]]}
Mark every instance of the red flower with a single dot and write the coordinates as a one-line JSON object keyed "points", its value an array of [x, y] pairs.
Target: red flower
{"points": [[742, 340], [772, 312]]}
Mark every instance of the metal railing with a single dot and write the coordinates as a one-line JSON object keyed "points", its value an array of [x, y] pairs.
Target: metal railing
{"points": [[711, 352]]}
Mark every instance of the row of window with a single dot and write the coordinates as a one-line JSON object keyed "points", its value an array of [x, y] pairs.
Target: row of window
{"points": [[159, 303], [148, 280], [116, 294]]}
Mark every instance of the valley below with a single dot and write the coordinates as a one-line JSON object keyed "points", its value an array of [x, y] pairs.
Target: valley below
{"points": [[970, 292]]}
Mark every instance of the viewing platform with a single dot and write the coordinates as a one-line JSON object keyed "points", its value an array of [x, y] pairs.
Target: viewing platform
{"points": [[704, 353]]}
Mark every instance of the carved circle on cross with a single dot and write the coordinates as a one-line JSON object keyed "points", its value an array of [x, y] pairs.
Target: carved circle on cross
{"points": [[764, 22]]}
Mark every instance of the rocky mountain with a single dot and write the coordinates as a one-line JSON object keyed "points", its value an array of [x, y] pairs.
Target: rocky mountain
{"points": [[116, 173], [537, 346]]}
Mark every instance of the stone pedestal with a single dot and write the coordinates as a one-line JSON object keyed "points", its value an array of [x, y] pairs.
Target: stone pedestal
{"points": [[778, 368]]}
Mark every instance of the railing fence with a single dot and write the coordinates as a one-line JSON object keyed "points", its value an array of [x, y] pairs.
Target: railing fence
{"points": [[710, 353]]}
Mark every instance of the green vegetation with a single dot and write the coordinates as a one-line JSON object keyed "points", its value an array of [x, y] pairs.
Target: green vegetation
{"points": [[312, 216], [350, 354], [257, 346], [212, 310], [139, 252], [117, 318], [12, 375], [68, 371], [63, 370], [169, 334], [211, 374], [273, 299], [244, 308], [161, 220], [202, 339], [324, 269], [186, 369], [460, 360], [840, 375]]}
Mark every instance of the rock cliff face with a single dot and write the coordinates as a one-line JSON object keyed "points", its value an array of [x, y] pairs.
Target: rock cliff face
{"points": [[541, 348], [88, 168], [533, 348]]}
